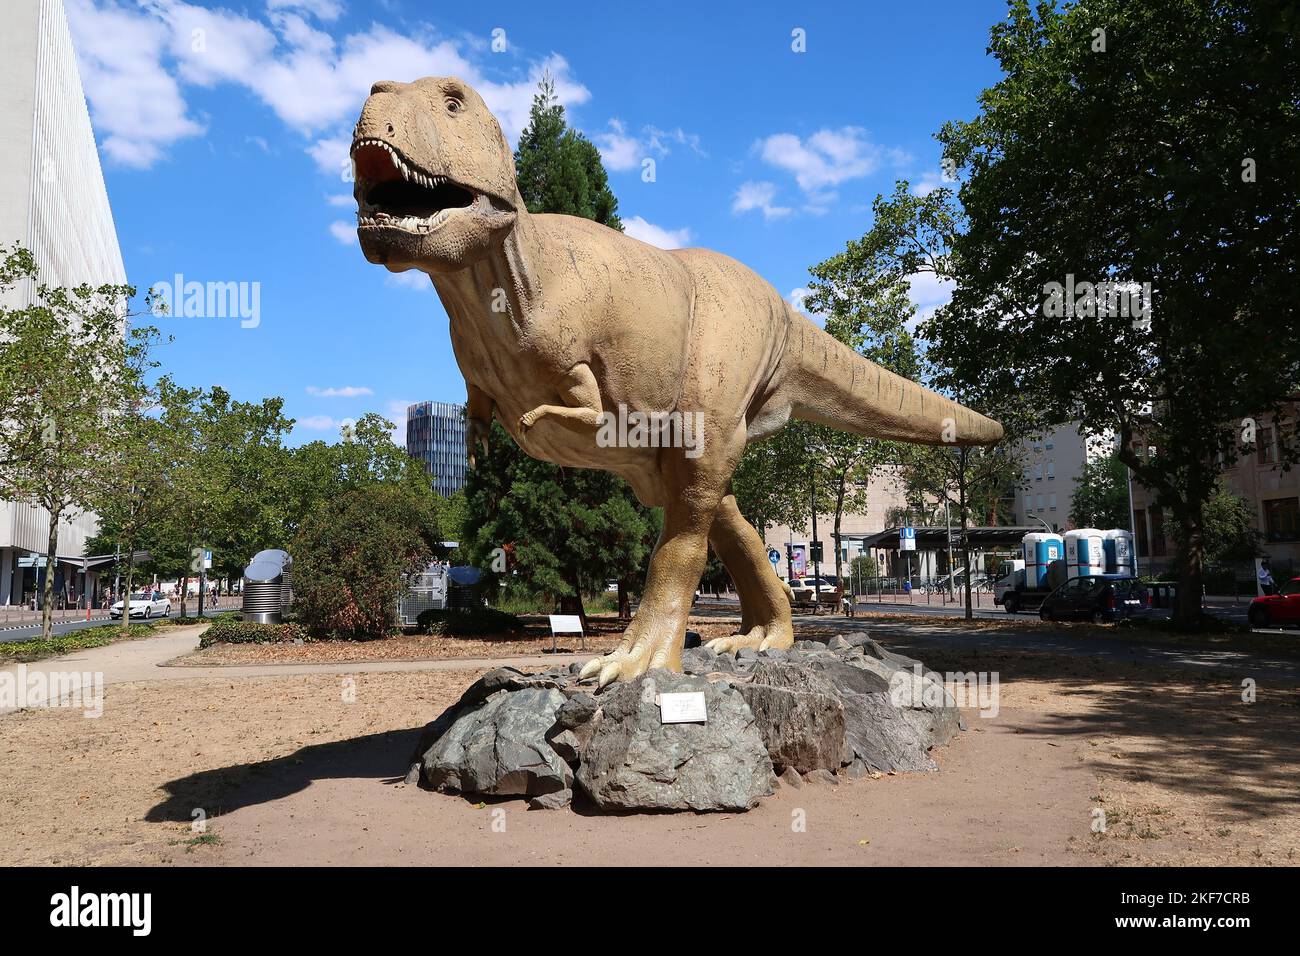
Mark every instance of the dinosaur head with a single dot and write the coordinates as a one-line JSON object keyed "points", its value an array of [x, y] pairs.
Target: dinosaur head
{"points": [[434, 176]]}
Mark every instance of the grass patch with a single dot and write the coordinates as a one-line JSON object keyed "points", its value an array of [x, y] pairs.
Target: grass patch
{"points": [[24, 652], [203, 839]]}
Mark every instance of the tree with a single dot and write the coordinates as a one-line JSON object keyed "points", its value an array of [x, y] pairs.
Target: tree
{"points": [[353, 555], [1136, 147], [1101, 498], [562, 532], [558, 169], [568, 531], [872, 319], [224, 486], [143, 453], [1230, 533], [70, 363]]}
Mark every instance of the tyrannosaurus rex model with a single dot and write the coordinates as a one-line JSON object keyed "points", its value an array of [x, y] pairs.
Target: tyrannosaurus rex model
{"points": [[561, 326]]}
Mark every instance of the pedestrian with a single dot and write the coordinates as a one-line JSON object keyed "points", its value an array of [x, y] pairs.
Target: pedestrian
{"points": [[847, 603], [1265, 577]]}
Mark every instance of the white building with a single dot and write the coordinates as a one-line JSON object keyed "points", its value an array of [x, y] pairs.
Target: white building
{"points": [[1054, 464], [53, 201]]}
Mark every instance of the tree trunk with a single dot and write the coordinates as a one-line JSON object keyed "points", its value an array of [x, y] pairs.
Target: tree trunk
{"points": [[1191, 570], [965, 549], [47, 591], [126, 598], [839, 513], [624, 602]]}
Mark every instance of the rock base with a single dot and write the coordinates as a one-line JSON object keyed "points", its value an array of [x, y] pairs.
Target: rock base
{"points": [[816, 711]]}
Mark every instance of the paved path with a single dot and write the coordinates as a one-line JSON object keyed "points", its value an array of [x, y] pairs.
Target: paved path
{"points": [[144, 660]]}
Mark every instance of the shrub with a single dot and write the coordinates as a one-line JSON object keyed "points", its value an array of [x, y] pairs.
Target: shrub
{"points": [[476, 621], [353, 554], [232, 629]]}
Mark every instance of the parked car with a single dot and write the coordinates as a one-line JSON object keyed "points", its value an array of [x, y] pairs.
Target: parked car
{"points": [[1101, 599], [1277, 609], [145, 604]]}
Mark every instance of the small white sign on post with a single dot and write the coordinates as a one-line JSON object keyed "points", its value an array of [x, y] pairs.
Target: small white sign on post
{"points": [[906, 539], [567, 624], [685, 708]]}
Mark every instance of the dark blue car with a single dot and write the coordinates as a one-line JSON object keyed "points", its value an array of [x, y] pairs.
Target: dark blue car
{"points": [[1104, 599]]}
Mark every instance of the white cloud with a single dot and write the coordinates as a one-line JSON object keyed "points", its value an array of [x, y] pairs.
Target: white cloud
{"points": [[342, 391], [341, 200], [618, 150], [799, 298], [621, 150], [134, 61], [321, 9], [638, 228], [928, 293], [930, 181], [319, 423], [758, 195], [826, 158], [344, 232], [410, 279], [138, 107]]}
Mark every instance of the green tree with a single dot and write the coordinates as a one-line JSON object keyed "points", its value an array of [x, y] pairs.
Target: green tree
{"points": [[1230, 533], [558, 169], [143, 452], [567, 531], [70, 364], [1136, 142], [1101, 498], [353, 555]]}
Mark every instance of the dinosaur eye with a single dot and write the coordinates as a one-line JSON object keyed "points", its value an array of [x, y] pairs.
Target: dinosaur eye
{"points": [[454, 105]]}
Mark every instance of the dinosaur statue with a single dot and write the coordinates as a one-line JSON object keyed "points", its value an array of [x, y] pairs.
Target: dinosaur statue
{"points": [[559, 323]]}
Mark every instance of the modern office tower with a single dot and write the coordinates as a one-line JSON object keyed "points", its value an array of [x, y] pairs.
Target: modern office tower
{"points": [[435, 434]]}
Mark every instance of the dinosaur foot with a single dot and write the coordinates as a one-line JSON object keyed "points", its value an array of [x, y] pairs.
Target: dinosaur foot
{"points": [[633, 658], [777, 636]]}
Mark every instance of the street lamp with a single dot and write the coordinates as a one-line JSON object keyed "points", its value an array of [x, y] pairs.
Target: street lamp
{"points": [[1050, 529]]}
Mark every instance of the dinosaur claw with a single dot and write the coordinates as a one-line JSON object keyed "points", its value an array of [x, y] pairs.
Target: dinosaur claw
{"points": [[608, 674], [590, 669]]}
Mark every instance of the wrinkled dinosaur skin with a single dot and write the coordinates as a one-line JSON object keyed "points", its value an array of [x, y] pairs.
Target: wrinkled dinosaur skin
{"points": [[556, 319]]}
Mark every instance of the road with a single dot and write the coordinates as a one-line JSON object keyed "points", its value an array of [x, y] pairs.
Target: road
{"points": [[1228, 611], [27, 632]]}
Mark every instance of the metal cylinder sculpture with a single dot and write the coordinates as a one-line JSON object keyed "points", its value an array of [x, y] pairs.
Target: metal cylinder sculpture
{"points": [[266, 587]]}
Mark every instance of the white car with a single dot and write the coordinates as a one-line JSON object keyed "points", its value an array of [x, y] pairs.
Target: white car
{"points": [[145, 604]]}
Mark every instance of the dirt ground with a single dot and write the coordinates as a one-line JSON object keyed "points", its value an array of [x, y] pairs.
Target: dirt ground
{"points": [[286, 771]]}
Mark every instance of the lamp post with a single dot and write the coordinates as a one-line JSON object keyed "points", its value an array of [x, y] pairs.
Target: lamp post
{"points": [[1050, 529]]}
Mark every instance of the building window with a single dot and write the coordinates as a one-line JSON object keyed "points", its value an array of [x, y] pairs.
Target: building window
{"points": [[1049, 444], [1282, 519], [1140, 526], [1051, 471], [1038, 472], [1266, 450], [1051, 502]]}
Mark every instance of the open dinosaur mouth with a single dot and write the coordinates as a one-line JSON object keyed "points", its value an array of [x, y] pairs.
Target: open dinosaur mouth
{"points": [[394, 193]]}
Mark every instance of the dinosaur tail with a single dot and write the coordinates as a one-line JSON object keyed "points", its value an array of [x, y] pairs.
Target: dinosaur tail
{"points": [[835, 386]]}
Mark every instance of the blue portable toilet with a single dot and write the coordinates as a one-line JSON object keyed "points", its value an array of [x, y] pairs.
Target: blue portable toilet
{"points": [[1040, 549]]}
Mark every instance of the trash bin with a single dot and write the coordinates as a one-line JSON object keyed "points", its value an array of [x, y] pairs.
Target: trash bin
{"points": [[266, 587], [1164, 593]]}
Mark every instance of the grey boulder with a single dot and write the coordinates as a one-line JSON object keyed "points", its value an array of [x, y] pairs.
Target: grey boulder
{"points": [[632, 761], [498, 746], [799, 716]]}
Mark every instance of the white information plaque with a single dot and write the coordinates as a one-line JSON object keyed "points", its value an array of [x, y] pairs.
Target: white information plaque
{"points": [[687, 708], [566, 624]]}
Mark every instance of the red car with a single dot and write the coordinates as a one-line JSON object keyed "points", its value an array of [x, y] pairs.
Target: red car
{"points": [[1275, 609]]}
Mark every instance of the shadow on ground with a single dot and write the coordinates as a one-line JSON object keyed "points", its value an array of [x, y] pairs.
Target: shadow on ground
{"points": [[383, 757]]}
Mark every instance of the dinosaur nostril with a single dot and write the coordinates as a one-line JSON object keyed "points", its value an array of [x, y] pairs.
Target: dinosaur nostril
{"points": [[390, 129]]}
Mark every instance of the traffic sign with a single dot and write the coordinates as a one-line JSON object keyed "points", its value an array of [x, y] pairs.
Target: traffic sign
{"points": [[906, 539], [774, 556]]}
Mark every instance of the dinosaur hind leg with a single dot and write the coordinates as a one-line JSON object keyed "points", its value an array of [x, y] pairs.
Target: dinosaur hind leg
{"points": [[764, 608]]}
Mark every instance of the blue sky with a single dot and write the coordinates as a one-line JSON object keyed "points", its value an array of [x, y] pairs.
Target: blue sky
{"points": [[223, 133]]}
